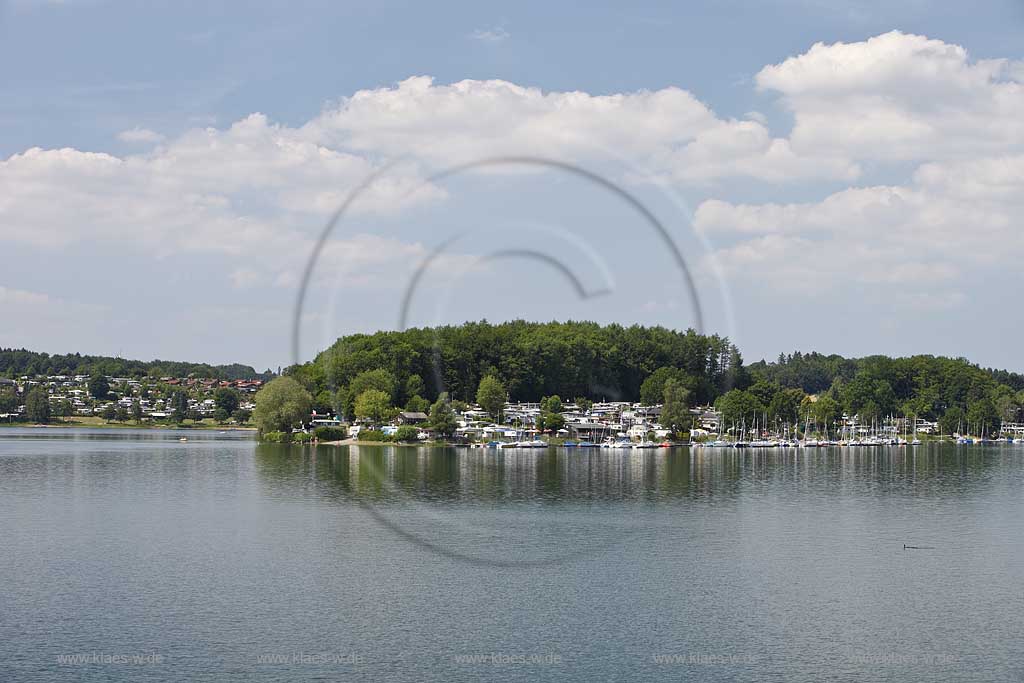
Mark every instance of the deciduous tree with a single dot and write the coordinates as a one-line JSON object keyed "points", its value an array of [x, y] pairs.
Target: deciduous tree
{"points": [[442, 417], [37, 406], [674, 413], [281, 405], [738, 407], [652, 391], [99, 388], [372, 405], [227, 399], [490, 395]]}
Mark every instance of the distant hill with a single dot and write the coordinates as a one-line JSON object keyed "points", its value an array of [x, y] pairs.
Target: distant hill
{"points": [[571, 359], [17, 362]]}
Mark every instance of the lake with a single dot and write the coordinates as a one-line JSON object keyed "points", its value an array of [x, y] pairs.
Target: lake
{"points": [[128, 555]]}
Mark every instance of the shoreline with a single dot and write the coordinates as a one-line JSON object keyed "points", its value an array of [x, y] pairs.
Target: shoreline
{"points": [[81, 425]]}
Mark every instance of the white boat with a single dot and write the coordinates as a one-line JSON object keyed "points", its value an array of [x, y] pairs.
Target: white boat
{"points": [[531, 443], [645, 444]]}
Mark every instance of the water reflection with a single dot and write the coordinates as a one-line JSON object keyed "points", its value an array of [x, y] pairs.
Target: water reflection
{"points": [[487, 506], [215, 551], [383, 474]]}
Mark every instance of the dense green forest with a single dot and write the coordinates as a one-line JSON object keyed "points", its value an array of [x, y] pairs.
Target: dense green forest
{"points": [[532, 360], [18, 362], [953, 391]]}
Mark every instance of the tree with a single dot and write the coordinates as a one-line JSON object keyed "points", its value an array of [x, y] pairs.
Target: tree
{"points": [[736, 376], [99, 388], [550, 422], [826, 411], [379, 379], [179, 405], [983, 418], [227, 399], [785, 406], [137, 411], [551, 404], [1006, 404], [584, 404], [37, 406], [195, 415], [414, 386], [220, 415], [407, 433], [442, 417], [281, 405], [490, 395], [372, 405], [241, 415], [8, 400], [952, 420], [869, 397], [63, 409], [109, 412], [652, 391], [915, 407], [674, 413], [764, 391], [417, 404], [121, 414], [738, 407]]}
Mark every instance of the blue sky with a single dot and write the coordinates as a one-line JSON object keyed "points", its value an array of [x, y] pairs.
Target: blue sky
{"points": [[839, 176]]}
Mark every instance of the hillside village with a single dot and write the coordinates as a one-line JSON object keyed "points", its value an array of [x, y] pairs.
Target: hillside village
{"points": [[171, 400]]}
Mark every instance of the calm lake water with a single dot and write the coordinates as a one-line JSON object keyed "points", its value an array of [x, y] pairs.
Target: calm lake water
{"points": [[129, 555]]}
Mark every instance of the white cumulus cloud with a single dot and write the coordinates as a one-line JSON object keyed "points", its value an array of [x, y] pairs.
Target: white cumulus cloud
{"points": [[899, 97]]}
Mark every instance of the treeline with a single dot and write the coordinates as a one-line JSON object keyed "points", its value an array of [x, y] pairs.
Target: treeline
{"points": [[532, 360], [816, 372], [951, 390], [20, 362]]}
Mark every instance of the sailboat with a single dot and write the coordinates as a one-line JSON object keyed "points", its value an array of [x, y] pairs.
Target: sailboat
{"points": [[808, 442]]}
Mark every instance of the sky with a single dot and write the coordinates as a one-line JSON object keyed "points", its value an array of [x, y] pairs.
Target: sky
{"points": [[846, 177]]}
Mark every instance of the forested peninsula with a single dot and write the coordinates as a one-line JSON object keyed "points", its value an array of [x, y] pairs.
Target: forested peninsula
{"points": [[619, 363]]}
